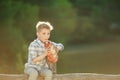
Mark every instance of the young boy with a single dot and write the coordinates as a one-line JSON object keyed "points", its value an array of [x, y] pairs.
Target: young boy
{"points": [[38, 53]]}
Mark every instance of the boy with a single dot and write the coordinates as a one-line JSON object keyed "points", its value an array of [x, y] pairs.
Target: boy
{"points": [[38, 53]]}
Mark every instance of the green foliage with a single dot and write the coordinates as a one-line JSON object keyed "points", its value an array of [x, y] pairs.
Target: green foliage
{"points": [[95, 19], [15, 30], [26, 20], [12, 42], [8, 9], [86, 32]]}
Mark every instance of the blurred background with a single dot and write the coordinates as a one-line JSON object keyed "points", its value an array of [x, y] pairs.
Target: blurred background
{"points": [[89, 30]]}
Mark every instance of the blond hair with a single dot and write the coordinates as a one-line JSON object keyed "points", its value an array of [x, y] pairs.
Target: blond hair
{"points": [[42, 24]]}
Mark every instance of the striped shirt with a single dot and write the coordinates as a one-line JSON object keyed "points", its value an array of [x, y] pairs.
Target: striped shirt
{"points": [[35, 49]]}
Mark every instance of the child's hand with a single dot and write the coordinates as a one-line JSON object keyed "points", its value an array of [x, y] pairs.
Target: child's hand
{"points": [[48, 51]]}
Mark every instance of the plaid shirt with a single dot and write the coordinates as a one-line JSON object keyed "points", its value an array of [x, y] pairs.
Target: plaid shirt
{"points": [[36, 48]]}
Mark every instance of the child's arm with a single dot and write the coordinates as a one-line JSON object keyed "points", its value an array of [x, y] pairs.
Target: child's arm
{"points": [[40, 57], [33, 54], [59, 46]]}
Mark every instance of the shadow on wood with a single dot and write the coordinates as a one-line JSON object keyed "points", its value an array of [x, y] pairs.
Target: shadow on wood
{"points": [[68, 76]]}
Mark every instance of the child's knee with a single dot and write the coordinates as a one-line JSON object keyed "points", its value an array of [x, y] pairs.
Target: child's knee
{"points": [[33, 72], [46, 72], [49, 73]]}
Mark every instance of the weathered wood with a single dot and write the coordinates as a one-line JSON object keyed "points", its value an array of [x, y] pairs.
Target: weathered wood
{"points": [[69, 76]]}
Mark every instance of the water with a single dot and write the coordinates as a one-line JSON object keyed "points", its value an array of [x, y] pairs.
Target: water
{"points": [[98, 58]]}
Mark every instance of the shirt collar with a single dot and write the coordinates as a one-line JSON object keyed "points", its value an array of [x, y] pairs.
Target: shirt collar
{"points": [[40, 42]]}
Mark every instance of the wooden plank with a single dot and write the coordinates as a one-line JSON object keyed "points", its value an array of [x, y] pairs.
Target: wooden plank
{"points": [[68, 76]]}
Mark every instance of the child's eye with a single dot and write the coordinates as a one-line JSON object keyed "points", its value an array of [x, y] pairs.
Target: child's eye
{"points": [[48, 34]]}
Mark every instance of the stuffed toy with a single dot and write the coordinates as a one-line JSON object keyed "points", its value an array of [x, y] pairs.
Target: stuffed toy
{"points": [[53, 55]]}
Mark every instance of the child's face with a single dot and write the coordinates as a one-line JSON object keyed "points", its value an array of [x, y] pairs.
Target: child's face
{"points": [[43, 34]]}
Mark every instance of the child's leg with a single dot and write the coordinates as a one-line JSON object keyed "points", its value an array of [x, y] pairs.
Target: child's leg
{"points": [[46, 73], [33, 73]]}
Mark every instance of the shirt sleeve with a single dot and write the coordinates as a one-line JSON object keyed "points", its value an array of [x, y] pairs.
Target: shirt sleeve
{"points": [[59, 46], [32, 53]]}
